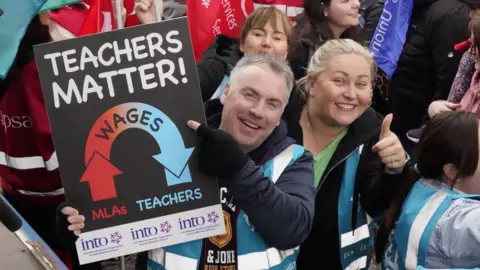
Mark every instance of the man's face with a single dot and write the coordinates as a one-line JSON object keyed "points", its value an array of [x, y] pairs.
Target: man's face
{"points": [[253, 104]]}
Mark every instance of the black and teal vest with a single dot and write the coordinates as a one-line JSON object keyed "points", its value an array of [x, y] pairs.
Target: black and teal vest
{"points": [[253, 252]]}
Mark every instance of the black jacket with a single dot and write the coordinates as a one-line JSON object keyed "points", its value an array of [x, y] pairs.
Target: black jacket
{"points": [[428, 63], [216, 62], [308, 38], [374, 188], [290, 201], [370, 10]]}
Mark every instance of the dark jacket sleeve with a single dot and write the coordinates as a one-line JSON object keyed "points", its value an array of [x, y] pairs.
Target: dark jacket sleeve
{"points": [[377, 188], [283, 212], [65, 237], [445, 29], [298, 59], [216, 62], [372, 16]]}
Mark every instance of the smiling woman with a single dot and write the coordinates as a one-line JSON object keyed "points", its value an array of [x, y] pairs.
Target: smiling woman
{"points": [[331, 117]]}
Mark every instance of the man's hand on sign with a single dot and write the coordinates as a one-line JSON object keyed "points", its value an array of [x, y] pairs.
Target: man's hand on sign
{"points": [[220, 154], [75, 219], [145, 10]]}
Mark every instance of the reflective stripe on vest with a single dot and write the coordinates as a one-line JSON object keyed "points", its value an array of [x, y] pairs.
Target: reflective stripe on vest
{"points": [[419, 225], [185, 256], [421, 211], [356, 245], [221, 88], [27, 163]]}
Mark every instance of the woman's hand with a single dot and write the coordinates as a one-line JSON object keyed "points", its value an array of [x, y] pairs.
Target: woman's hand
{"points": [[145, 10], [440, 106], [75, 219], [389, 147]]}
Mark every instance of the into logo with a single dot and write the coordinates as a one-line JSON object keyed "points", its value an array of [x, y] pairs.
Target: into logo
{"points": [[146, 232], [99, 242], [213, 217], [192, 222]]}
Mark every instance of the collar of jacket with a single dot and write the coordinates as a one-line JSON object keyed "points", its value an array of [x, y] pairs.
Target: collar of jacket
{"points": [[362, 130], [272, 146]]}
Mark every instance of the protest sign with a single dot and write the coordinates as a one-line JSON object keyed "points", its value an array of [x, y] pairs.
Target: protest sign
{"points": [[118, 103]]}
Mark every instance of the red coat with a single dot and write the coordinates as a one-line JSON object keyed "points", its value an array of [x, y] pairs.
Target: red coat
{"points": [[28, 162]]}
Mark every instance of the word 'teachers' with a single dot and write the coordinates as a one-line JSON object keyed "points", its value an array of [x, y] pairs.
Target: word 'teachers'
{"points": [[151, 75]]}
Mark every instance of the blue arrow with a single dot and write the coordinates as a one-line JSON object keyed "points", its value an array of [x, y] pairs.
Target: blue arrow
{"points": [[174, 156]]}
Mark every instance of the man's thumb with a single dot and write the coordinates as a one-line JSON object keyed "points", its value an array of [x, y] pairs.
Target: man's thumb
{"points": [[387, 122]]}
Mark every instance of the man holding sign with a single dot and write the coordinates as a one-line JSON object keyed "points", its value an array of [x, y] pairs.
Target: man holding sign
{"points": [[266, 181]]}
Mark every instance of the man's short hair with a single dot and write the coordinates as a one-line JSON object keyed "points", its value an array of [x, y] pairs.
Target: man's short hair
{"points": [[272, 61]]}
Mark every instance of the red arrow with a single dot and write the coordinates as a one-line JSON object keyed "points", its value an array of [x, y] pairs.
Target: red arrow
{"points": [[100, 174]]}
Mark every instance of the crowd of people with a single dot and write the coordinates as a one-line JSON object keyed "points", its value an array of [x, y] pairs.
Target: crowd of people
{"points": [[382, 166]]}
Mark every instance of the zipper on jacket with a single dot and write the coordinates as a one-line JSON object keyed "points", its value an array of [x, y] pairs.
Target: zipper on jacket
{"points": [[333, 167]]}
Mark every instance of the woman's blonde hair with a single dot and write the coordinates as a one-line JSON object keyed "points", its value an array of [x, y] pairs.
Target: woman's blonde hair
{"points": [[329, 50]]}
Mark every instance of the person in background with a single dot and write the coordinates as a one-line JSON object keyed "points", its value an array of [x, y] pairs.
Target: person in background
{"points": [[463, 94], [370, 12], [30, 178], [267, 29], [358, 160], [428, 62], [320, 21], [243, 146], [433, 220]]}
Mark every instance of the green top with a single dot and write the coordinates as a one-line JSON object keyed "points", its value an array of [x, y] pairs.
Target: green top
{"points": [[323, 158]]}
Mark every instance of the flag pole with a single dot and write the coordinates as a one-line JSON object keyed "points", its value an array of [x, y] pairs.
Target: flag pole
{"points": [[119, 11], [157, 11]]}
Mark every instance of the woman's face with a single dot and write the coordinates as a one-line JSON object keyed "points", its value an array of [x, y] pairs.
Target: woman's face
{"points": [[266, 39], [342, 92], [343, 13]]}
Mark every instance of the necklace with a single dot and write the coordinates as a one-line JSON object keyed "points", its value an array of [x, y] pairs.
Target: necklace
{"points": [[311, 133]]}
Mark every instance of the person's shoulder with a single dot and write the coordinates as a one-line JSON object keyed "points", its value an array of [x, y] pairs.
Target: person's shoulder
{"points": [[440, 8], [457, 234]]}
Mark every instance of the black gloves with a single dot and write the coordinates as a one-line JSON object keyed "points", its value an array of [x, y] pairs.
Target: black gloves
{"points": [[65, 237], [220, 155]]}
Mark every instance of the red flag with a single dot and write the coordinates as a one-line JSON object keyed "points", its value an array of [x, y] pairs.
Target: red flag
{"points": [[99, 18], [208, 18], [70, 17], [132, 18]]}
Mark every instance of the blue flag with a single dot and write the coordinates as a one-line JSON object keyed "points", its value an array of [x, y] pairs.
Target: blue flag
{"points": [[13, 24], [389, 38]]}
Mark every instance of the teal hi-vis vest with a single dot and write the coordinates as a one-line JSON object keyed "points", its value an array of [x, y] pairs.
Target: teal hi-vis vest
{"points": [[421, 211], [221, 88], [356, 246], [253, 252]]}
